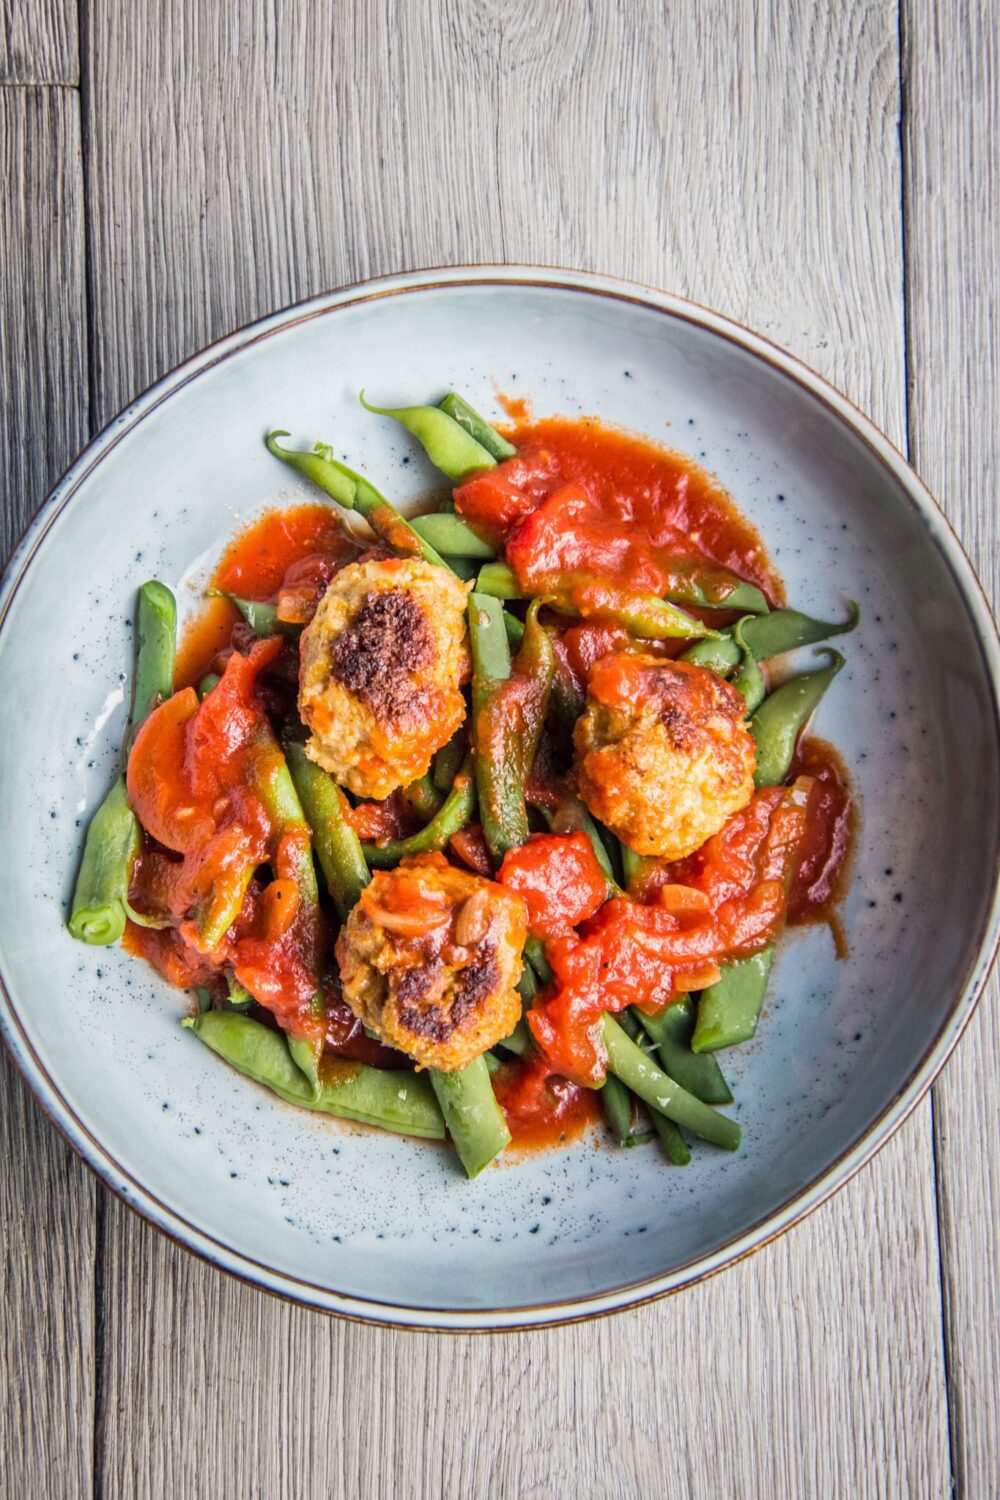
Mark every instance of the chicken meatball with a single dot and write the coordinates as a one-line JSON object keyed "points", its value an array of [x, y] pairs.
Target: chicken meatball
{"points": [[663, 752], [382, 664], [429, 959]]}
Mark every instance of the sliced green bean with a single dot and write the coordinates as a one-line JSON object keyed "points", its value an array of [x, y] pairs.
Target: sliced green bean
{"points": [[474, 1118], [519, 1041], [337, 846], [354, 492], [780, 719], [499, 581], [451, 536], [499, 774], [100, 897], [729, 1010], [671, 1032], [422, 797], [401, 1102], [621, 1113], [674, 1145], [534, 952], [448, 760], [156, 623], [262, 618], [455, 812], [446, 442], [515, 630], [629, 1063], [477, 427]]}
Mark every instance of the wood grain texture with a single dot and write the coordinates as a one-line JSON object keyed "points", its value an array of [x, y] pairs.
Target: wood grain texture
{"points": [[747, 157], [47, 1197], [952, 120], [38, 42]]}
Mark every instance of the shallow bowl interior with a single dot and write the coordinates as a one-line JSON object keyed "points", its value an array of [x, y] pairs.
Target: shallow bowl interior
{"points": [[360, 1222]]}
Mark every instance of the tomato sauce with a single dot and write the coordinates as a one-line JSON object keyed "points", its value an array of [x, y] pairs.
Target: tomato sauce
{"points": [[599, 500], [256, 562], [542, 1109], [579, 500]]}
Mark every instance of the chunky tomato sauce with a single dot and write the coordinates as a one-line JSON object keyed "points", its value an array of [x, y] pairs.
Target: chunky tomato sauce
{"points": [[541, 1108], [585, 498], [579, 501]]}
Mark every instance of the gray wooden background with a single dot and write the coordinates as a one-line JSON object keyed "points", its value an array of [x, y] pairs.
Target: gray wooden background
{"points": [[824, 172]]}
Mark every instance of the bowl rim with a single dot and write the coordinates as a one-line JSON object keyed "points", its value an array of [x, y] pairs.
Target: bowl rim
{"points": [[875, 1135]]}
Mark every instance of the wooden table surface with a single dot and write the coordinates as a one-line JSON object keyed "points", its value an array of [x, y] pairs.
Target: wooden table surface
{"points": [[825, 173]]}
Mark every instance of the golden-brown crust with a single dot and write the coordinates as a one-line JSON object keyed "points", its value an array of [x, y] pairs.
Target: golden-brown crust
{"points": [[382, 664], [429, 960], [664, 756]]}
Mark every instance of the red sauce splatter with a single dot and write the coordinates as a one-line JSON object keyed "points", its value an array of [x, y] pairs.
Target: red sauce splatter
{"points": [[542, 1109], [255, 563]]}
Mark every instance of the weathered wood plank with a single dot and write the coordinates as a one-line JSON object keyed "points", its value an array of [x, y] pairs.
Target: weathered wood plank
{"points": [[750, 160], [38, 42], [952, 54], [47, 1197]]}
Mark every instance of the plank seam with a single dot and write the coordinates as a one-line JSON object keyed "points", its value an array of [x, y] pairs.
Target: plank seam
{"points": [[97, 1460], [905, 225]]}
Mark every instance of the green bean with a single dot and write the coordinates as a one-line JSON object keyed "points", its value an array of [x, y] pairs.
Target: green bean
{"points": [[208, 682], [780, 719], [156, 622], [643, 615], [455, 812], [465, 568], [766, 636], [474, 1118], [515, 630], [448, 760], [633, 866], [729, 1010], [422, 797], [671, 1032], [499, 774], [630, 1064], [674, 1145], [534, 952], [519, 1041], [749, 679], [401, 1102], [742, 596], [354, 492], [499, 581], [338, 847], [451, 536], [100, 896], [621, 1113], [238, 997], [477, 427], [262, 618], [493, 1063], [446, 442]]}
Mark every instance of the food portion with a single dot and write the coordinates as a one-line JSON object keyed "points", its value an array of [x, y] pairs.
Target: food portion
{"points": [[489, 824], [663, 753], [430, 959], [383, 662]]}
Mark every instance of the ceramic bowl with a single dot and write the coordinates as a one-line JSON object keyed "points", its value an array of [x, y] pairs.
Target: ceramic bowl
{"points": [[361, 1223]]}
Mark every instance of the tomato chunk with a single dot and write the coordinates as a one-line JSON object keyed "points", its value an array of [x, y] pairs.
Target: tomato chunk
{"points": [[560, 879]]}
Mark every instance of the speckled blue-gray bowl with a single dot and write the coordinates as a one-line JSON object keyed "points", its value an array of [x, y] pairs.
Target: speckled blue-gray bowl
{"points": [[360, 1223]]}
